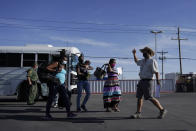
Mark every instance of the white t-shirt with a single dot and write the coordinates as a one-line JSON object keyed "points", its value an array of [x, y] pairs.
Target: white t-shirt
{"points": [[147, 68]]}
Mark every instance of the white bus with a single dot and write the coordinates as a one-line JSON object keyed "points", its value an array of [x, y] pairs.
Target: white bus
{"points": [[16, 60]]}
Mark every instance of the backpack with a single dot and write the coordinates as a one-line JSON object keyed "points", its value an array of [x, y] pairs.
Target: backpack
{"points": [[46, 76], [43, 72]]}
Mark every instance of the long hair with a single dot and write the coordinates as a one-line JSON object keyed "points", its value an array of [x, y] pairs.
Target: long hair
{"points": [[112, 60], [81, 58], [55, 58], [87, 62]]}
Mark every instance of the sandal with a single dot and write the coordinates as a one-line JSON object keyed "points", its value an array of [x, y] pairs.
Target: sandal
{"points": [[116, 110]]}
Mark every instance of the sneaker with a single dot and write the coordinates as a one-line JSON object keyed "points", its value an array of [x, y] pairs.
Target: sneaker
{"points": [[55, 105], [70, 115], [137, 115], [162, 114], [84, 108], [116, 109], [78, 110], [60, 107]]}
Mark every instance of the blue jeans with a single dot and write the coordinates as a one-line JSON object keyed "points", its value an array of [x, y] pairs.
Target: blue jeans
{"points": [[86, 86]]}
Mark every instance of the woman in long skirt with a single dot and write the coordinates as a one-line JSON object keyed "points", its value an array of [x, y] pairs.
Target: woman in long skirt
{"points": [[111, 91]]}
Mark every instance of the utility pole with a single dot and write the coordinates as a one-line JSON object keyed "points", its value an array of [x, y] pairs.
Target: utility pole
{"points": [[122, 73], [155, 35], [179, 48], [162, 58], [67, 43]]}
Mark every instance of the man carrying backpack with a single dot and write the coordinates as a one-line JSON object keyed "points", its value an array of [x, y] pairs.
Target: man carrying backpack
{"points": [[56, 86]]}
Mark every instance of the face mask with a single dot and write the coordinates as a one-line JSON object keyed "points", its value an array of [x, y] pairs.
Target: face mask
{"points": [[64, 62], [113, 65], [145, 55]]}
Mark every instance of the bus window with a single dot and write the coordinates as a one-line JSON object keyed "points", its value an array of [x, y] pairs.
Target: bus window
{"points": [[43, 58], [28, 59], [10, 59], [2, 59], [74, 62], [54, 58]]}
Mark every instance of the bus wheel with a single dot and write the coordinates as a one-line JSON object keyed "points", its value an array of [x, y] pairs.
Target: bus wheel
{"points": [[45, 98]]}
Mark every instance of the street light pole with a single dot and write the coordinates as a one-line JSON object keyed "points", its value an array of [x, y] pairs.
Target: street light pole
{"points": [[155, 34]]}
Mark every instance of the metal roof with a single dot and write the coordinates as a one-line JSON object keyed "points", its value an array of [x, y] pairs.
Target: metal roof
{"points": [[37, 49]]}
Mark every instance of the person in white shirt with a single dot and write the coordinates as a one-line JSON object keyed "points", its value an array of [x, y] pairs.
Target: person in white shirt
{"points": [[148, 67]]}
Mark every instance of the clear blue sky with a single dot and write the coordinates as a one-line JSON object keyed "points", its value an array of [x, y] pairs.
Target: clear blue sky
{"points": [[103, 28]]}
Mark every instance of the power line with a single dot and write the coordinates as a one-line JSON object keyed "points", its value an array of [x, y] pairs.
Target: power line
{"points": [[76, 30], [79, 29], [167, 28], [70, 27], [128, 58], [75, 22], [84, 29], [107, 57], [181, 58], [149, 27]]}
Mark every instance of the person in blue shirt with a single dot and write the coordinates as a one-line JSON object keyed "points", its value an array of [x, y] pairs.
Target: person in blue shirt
{"points": [[60, 72], [62, 77]]}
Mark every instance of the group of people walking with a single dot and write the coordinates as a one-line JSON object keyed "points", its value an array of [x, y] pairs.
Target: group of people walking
{"points": [[111, 91]]}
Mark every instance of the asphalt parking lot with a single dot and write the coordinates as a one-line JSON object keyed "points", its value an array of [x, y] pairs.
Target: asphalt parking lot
{"points": [[181, 115]]}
